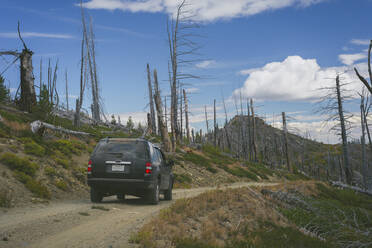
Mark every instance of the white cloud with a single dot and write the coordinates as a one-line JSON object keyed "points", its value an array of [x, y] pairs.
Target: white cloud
{"points": [[350, 59], [359, 42], [294, 79], [247, 71], [206, 64], [192, 90], [37, 35], [201, 10]]}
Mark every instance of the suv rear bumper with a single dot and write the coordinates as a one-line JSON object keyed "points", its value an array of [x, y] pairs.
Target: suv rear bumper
{"points": [[120, 185]]}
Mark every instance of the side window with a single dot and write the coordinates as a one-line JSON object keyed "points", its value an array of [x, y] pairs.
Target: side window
{"points": [[160, 157], [153, 154]]}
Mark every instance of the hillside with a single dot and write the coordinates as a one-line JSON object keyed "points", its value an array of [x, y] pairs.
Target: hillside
{"points": [[296, 214]]}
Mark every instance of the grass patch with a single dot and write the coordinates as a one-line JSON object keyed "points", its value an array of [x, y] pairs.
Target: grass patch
{"points": [[199, 160], [100, 208], [217, 156], [33, 148], [62, 185], [20, 164], [84, 213], [36, 187], [68, 147], [182, 181], [64, 162], [240, 172], [5, 199], [271, 235], [340, 216], [50, 171]]}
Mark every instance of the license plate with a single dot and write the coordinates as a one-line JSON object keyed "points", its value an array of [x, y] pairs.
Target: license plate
{"points": [[117, 168]]}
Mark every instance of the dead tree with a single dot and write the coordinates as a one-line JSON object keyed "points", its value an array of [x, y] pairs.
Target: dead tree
{"points": [[254, 144], [332, 105], [79, 101], [28, 95], [180, 133], [159, 109], [364, 169], [285, 136], [186, 116], [66, 91], [361, 78], [226, 125], [92, 66], [181, 50], [206, 118], [214, 124], [151, 101]]}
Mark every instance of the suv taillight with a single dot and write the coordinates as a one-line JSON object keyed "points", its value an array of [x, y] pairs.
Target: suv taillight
{"points": [[148, 169], [90, 166]]}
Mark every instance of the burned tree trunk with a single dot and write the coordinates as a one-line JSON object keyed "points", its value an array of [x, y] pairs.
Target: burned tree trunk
{"points": [[28, 95], [285, 135], [364, 81], [159, 109], [151, 101], [186, 116], [214, 124], [254, 145], [364, 169], [206, 119], [348, 172]]}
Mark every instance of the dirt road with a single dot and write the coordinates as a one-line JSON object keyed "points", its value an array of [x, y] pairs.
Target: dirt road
{"points": [[80, 224]]}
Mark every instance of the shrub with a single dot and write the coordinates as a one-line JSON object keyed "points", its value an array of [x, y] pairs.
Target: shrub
{"points": [[33, 148], [68, 147], [50, 171], [61, 185], [20, 164], [64, 162], [36, 187], [199, 160], [5, 199]]}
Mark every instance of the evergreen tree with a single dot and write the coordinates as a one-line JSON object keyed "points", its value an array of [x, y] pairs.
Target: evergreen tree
{"points": [[4, 92]]}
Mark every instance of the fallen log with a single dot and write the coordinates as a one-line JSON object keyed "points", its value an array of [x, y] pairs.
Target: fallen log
{"points": [[39, 127], [345, 186]]}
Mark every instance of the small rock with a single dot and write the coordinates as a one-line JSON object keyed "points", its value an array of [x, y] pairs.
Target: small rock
{"points": [[5, 239]]}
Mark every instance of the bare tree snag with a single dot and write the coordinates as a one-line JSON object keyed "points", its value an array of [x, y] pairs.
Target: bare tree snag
{"points": [[364, 169], [186, 116], [67, 107], [254, 144], [364, 81], [206, 119], [159, 109], [285, 135], [348, 172], [214, 124], [151, 101]]}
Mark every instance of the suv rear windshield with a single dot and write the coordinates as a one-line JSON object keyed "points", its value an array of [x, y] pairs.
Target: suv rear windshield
{"points": [[134, 148]]}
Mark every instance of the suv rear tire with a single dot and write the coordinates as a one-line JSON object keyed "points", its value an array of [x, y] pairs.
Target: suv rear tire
{"points": [[168, 192], [95, 195], [120, 197], [153, 196]]}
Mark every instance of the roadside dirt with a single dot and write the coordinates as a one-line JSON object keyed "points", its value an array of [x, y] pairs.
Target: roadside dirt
{"points": [[79, 224]]}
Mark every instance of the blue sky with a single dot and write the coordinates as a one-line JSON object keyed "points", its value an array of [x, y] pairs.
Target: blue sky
{"points": [[275, 51]]}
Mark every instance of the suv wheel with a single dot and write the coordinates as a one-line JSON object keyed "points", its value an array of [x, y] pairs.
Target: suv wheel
{"points": [[120, 197], [154, 193], [95, 195], [168, 192]]}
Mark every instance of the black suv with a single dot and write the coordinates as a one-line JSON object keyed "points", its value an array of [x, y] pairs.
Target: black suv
{"points": [[122, 167]]}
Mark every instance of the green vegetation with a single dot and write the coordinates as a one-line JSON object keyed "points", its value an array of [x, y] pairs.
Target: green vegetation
{"points": [[270, 235], [19, 164], [68, 147], [182, 181], [4, 92], [50, 171], [340, 216], [216, 156], [100, 208], [64, 162], [36, 187], [62, 185], [33, 148], [5, 199], [199, 160], [240, 172]]}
